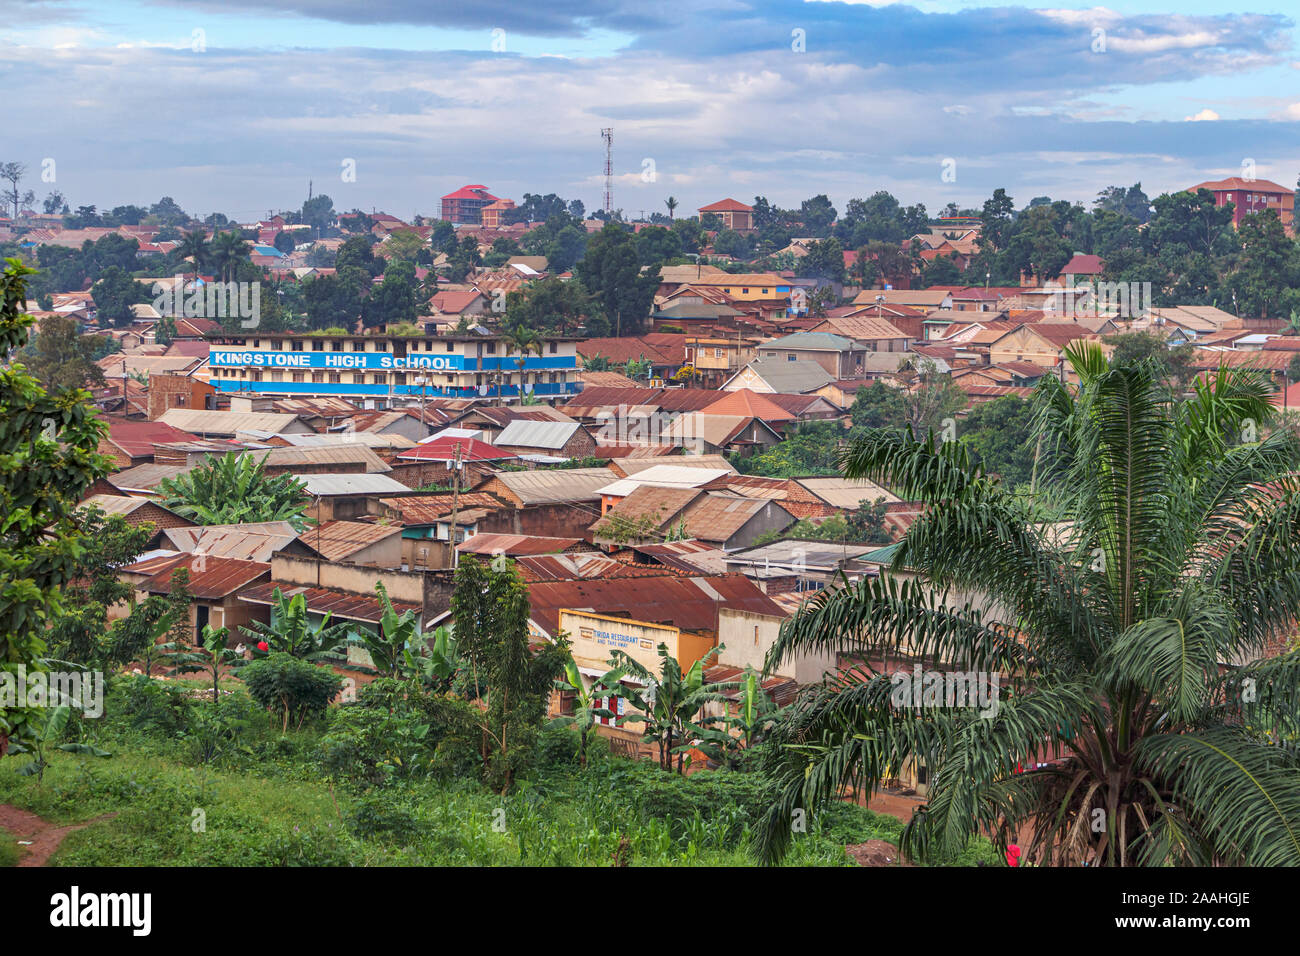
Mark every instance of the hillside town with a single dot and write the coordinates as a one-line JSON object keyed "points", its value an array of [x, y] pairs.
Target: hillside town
{"points": [[327, 422]]}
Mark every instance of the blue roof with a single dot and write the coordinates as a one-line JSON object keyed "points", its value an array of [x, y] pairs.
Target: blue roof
{"points": [[267, 251]]}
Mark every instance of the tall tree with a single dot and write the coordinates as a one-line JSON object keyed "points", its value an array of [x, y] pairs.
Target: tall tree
{"points": [[47, 461], [1180, 553], [611, 272]]}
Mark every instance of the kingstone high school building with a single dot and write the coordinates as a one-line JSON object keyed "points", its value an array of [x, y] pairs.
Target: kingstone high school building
{"points": [[379, 367]]}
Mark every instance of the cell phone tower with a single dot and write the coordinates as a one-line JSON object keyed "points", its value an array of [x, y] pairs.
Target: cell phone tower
{"points": [[608, 136]]}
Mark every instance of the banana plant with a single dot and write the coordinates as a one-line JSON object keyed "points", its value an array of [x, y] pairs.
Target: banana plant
{"points": [[214, 654], [585, 706], [754, 714], [43, 734], [670, 701], [292, 632], [401, 645], [436, 666]]}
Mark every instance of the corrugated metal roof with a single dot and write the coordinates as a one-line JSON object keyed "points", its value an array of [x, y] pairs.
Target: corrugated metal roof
{"points": [[340, 604], [366, 484], [145, 477], [632, 465], [336, 439], [117, 504], [533, 434], [716, 517], [429, 509], [200, 421], [516, 544], [588, 564], [256, 541], [845, 492], [692, 556], [329, 455], [211, 577], [555, 487], [448, 448], [652, 504], [336, 540], [690, 603]]}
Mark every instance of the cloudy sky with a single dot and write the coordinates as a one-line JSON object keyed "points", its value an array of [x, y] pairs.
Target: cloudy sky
{"points": [[235, 106]]}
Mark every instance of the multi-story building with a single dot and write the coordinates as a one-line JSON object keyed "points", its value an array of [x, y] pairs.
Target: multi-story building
{"points": [[1250, 196], [465, 206], [380, 368], [733, 213]]}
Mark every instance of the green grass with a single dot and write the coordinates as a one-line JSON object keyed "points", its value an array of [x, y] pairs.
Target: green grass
{"points": [[262, 798], [10, 851]]}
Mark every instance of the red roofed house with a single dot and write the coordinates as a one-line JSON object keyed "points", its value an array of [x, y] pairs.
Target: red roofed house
{"points": [[733, 213], [433, 462], [465, 206], [132, 442], [744, 401], [1253, 196], [1081, 268]]}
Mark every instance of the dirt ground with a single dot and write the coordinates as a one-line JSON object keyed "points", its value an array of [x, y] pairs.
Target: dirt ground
{"points": [[42, 838], [875, 853]]}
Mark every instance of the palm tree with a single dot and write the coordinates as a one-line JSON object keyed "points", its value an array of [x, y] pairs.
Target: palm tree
{"points": [[520, 338], [1132, 636], [228, 248], [670, 701], [671, 203], [194, 245], [292, 632]]}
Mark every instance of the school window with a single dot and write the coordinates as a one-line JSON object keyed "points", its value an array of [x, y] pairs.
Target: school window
{"points": [[318, 346], [299, 377], [450, 346], [555, 347], [358, 346], [358, 378], [336, 346], [335, 378]]}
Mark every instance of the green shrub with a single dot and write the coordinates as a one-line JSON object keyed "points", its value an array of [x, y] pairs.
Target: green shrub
{"points": [[292, 689], [372, 817], [151, 705], [393, 732]]}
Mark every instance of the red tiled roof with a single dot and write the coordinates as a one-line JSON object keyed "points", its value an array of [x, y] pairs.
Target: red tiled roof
{"points": [[1236, 182], [471, 192], [1083, 265], [727, 205], [749, 403]]}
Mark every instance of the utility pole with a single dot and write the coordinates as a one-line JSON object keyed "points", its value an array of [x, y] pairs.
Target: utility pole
{"points": [[455, 502]]}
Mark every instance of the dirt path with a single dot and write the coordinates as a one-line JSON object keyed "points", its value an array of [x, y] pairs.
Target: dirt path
{"points": [[44, 837]]}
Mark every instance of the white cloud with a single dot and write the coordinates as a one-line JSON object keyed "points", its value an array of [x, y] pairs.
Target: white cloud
{"points": [[1204, 115]]}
